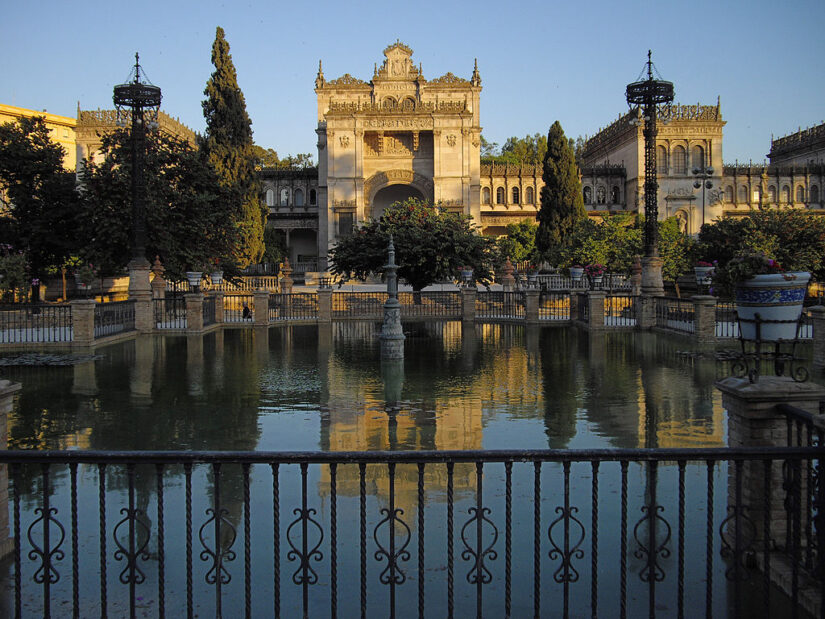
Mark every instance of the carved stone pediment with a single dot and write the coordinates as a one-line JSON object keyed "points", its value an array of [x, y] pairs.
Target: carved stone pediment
{"points": [[448, 79], [347, 80], [398, 64]]}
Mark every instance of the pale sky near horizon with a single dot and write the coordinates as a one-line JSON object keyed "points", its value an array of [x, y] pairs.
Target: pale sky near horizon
{"points": [[540, 61]]}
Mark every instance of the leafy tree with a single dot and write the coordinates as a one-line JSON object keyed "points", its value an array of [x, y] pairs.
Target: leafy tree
{"points": [[188, 211], [529, 149], [296, 162], [229, 149], [489, 150], [562, 204], [265, 157], [39, 199], [520, 242], [675, 249], [430, 244], [275, 245]]}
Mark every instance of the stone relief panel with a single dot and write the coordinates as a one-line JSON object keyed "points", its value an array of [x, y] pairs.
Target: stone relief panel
{"points": [[396, 144]]}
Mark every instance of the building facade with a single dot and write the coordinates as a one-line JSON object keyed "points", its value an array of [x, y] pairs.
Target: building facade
{"points": [[62, 129]]}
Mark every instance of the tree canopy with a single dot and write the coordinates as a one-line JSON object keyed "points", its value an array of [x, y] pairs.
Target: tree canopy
{"points": [[520, 242], [229, 149], [431, 245], [562, 204]]}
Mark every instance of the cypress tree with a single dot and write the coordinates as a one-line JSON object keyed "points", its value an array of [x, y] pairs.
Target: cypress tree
{"points": [[230, 151], [562, 204]]}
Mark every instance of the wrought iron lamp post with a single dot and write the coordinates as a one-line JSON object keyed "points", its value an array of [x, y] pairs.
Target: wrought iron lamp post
{"points": [[138, 101], [703, 177]]}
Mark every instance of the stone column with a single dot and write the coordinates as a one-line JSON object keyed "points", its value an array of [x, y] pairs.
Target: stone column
{"points": [[704, 317], [468, 304], [652, 283], [139, 277], [595, 301], [818, 319], [531, 306], [158, 281], [574, 305], [324, 305], [194, 312], [83, 323], [218, 296], [754, 421], [636, 277], [7, 391], [646, 312], [144, 312], [261, 301]]}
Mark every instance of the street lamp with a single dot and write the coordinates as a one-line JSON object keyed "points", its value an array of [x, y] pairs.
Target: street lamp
{"points": [[703, 177], [648, 94], [140, 100]]}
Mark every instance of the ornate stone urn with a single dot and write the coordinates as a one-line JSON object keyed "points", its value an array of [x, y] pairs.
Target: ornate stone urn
{"points": [[777, 299]]}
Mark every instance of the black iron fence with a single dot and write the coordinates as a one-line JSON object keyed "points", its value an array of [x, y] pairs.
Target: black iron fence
{"points": [[238, 307], [583, 307], [366, 305], [440, 304], [114, 317], [620, 310], [170, 312], [727, 321], [675, 314], [208, 310], [38, 322], [554, 305], [500, 305], [293, 306], [624, 533]]}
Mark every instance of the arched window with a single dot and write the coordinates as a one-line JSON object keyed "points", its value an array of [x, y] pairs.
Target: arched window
{"points": [[757, 195], [389, 103], [698, 157], [485, 195], [516, 195], [588, 195], [786, 194], [528, 196], [299, 197], [743, 194], [661, 160], [614, 195], [284, 197], [270, 197], [679, 160], [814, 194], [729, 193], [500, 196], [800, 194], [312, 198], [601, 195], [772, 195], [408, 104]]}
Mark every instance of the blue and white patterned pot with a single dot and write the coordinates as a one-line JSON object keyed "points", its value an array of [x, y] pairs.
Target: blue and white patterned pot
{"points": [[774, 296]]}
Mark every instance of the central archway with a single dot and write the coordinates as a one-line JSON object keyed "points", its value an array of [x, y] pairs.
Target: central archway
{"points": [[392, 193]]}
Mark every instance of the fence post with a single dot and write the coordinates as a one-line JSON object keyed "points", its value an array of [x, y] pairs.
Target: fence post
{"points": [[261, 300], [325, 305], [83, 322], [755, 421], [7, 391], [468, 303], [704, 319], [595, 301], [818, 320], [219, 318], [194, 312], [574, 305], [531, 306], [646, 314]]}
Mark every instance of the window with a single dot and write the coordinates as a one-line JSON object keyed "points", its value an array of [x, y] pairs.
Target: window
{"points": [[284, 197], [299, 197], [679, 160], [786, 194], [743, 194], [388, 103], [312, 198], [614, 195], [588, 195], [345, 224], [814, 194], [729, 193], [800, 194], [270, 197], [661, 160], [757, 195], [408, 104], [601, 195], [698, 157], [772, 195], [500, 197], [528, 196], [516, 195], [485, 195]]}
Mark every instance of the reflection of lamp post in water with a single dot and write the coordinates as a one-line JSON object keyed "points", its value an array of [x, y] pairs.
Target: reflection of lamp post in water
{"points": [[392, 336]]}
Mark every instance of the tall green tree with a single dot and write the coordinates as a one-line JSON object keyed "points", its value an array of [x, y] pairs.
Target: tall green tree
{"points": [[38, 207], [229, 149], [529, 149], [562, 204]]}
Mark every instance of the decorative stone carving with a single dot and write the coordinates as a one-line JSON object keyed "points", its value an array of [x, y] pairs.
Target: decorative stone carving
{"points": [[393, 177], [347, 80], [344, 205], [448, 79], [451, 140], [344, 141]]}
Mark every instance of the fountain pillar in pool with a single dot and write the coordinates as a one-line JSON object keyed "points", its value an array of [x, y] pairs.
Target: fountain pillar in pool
{"points": [[392, 336]]}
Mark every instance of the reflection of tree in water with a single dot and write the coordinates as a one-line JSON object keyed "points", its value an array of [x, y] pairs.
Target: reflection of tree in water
{"points": [[561, 366]]}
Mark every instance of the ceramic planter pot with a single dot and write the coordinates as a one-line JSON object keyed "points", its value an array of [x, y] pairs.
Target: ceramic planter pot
{"points": [[704, 275], [576, 273], [774, 296], [216, 277], [194, 278]]}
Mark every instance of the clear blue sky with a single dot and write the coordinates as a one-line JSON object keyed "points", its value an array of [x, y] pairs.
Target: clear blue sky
{"points": [[539, 61]]}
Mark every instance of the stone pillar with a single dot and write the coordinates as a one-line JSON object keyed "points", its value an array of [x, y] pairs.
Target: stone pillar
{"points": [[704, 317], [468, 304], [652, 283], [158, 281], [646, 312], [754, 421], [144, 312], [531, 306], [83, 323], [636, 276], [7, 391], [595, 302], [194, 312], [218, 296], [818, 319], [325, 305], [508, 281], [139, 277], [574, 305], [261, 301]]}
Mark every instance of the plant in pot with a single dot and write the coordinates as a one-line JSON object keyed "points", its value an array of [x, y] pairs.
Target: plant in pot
{"points": [[576, 272], [466, 274], [216, 273], [703, 270], [595, 273], [768, 298], [84, 275]]}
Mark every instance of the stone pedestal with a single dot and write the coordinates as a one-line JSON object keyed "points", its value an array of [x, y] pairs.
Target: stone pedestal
{"points": [[144, 312], [286, 280], [139, 277], [595, 302], [468, 304], [83, 323], [194, 312], [508, 282], [636, 276], [574, 306], [531, 306], [818, 319], [324, 305], [218, 296], [704, 308], [652, 283], [7, 391], [158, 281], [261, 301], [646, 312]]}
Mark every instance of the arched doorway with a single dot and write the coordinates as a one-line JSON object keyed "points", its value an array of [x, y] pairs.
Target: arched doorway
{"points": [[390, 194]]}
